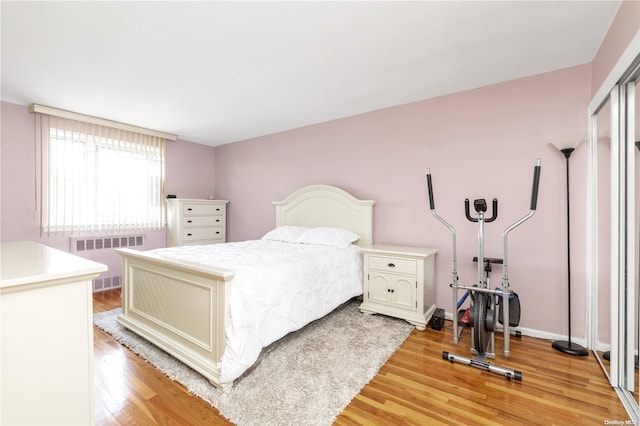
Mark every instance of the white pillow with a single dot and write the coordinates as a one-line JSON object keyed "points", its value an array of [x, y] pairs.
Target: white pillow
{"points": [[289, 234], [328, 236]]}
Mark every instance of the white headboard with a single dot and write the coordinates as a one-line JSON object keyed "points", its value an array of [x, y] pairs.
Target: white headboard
{"points": [[325, 205]]}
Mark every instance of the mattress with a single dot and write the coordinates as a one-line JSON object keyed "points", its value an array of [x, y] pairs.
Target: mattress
{"points": [[278, 287]]}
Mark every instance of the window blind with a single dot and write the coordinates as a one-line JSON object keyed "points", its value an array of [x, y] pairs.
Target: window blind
{"points": [[100, 179]]}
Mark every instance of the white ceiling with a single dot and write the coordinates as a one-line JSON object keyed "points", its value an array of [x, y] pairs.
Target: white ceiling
{"points": [[219, 72]]}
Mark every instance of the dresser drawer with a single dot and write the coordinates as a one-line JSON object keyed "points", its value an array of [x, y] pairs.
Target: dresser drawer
{"points": [[393, 264], [198, 221], [210, 233], [202, 210]]}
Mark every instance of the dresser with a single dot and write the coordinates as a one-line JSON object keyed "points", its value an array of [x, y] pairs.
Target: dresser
{"points": [[399, 282], [46, 337], [194, 221]]}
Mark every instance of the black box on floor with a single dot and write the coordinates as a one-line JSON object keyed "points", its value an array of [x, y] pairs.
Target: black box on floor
{"points": [[437, 320]]}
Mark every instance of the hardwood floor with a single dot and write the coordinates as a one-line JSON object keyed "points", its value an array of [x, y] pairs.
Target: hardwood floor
{"points": [[415, 387]]}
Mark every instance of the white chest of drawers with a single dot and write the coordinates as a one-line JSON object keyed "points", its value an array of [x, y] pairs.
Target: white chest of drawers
{"points": [[194, 221], [399, 282]]}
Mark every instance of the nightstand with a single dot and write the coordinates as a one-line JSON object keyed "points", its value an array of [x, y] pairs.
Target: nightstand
{"points": [[398, 281]]}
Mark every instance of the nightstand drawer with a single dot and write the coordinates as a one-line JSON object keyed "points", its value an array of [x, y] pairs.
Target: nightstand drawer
{"points": [[393, 264], [202, 210]]}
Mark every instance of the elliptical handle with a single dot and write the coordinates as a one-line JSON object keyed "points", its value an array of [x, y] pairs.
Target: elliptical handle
{"points": [[467, 211], [430, 189], [494, 214], [536, 182]]}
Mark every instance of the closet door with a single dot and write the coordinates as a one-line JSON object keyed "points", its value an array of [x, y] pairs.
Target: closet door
{"points": [[624, 261], [625, 316], [614, 221], [602, 217], [634, 132]]}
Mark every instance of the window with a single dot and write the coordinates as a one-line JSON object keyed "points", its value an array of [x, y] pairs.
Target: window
{"points": [[99, 179]]}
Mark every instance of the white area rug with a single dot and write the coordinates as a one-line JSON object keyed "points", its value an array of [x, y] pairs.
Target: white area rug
{"points": [[306, 378]]}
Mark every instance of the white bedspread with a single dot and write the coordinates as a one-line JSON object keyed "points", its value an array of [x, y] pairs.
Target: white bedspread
{"points": [[278, 287]]}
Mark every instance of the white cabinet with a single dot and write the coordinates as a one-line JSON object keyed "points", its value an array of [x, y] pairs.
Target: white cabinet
{"points": [[46, 337], [398, 281], [194, 221]]}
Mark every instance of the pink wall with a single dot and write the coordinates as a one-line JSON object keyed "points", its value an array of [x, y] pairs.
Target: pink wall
{"points": [[624, 27], [479, 144], [189, 174]]}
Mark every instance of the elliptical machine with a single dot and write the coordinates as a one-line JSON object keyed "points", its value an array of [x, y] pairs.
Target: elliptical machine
{"points": [[483, 318]]}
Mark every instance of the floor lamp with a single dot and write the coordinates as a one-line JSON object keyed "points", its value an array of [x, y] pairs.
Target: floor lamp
{"points": [[567, 346]]}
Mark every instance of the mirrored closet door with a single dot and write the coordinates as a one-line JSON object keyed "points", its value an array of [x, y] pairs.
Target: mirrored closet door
{"points": [[614, 221], [627, 315], [601, 128], [636, 272]]}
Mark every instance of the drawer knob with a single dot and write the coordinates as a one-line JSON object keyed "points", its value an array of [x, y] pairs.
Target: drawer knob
{"points": [[188, 235], [389, 290], [189, 209], [217, 220], [188, 221], [391, 265]]}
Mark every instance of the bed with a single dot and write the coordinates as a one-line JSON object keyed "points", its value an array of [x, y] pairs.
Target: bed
{"points": [[183, 301]]}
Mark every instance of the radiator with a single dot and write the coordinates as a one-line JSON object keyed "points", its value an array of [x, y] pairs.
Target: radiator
{"points": [[107, 283], [85, 244], [101, 249]]}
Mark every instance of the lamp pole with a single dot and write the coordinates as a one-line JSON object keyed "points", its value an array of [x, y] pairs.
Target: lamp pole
{"points": [[567, 346]]}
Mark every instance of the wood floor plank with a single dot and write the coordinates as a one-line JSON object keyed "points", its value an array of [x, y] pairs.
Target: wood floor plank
{"points": [[415, 387]]}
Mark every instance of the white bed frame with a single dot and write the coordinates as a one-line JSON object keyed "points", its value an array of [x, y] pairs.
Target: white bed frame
{"points": [[182, 307]]}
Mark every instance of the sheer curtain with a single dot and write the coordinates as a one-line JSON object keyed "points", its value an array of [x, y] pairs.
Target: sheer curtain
{"points": [[100, 179]]}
